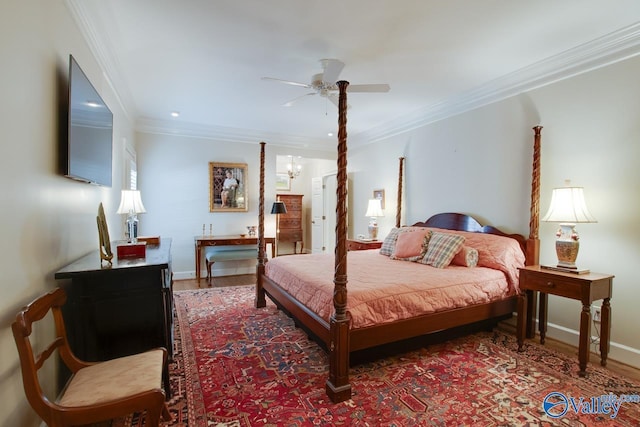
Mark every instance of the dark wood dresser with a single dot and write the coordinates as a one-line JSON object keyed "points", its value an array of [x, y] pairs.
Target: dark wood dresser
{"points": [[289, 225], [122, 309]]}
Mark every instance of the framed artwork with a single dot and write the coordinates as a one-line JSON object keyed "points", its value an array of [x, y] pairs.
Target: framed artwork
{"points": [[379, 194], [283, 182], [228, 187]]}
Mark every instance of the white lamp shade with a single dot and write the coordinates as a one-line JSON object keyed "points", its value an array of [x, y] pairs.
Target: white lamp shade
{"points": [[374, 209], [131, 202], [568, 205]]}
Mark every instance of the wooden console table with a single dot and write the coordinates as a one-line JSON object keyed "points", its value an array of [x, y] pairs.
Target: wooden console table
{"points": [[203, 241], [119, 309]]}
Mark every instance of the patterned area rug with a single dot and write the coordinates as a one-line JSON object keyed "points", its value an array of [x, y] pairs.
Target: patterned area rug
{"points": [[241, 366]]}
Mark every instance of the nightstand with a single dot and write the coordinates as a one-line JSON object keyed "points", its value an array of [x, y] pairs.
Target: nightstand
{"points": [[361, 245], [587, 288]]}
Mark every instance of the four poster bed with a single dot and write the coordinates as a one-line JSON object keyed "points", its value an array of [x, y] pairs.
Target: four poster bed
{"points": [[380, 308]]}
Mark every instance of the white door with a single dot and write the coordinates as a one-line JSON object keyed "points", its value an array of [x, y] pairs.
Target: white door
{"points": [[317, 216], [323, 213]]}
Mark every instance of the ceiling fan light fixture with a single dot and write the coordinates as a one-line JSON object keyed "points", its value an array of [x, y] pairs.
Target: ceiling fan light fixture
{"points": [[324, 84]]}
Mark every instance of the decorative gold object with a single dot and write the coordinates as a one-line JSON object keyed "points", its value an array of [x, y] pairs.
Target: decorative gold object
{"points": [[103, 234]]}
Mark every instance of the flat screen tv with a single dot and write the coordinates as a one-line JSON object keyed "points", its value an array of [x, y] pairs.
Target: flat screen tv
{"points": [[86, 154]]}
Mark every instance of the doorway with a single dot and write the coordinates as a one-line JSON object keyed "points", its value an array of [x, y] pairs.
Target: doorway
{"points": [[323, 216]]}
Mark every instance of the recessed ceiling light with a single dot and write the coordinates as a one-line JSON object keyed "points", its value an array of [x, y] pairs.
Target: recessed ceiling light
{"points": [[330, 134], [175, 114]]}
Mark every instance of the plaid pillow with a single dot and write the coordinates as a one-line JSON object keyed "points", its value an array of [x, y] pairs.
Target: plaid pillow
{"points": [[389, 242], [442, 248]]}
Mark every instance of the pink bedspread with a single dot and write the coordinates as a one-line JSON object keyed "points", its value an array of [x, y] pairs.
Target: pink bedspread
{"points": [[384, 290]]}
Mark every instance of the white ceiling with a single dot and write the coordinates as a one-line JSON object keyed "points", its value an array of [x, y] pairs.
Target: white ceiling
{"points": [[206, 58]]}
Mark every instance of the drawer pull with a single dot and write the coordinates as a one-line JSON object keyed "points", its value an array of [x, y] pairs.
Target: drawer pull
{"points": [[551, 285]]}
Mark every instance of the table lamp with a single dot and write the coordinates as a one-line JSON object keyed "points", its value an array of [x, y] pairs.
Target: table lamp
{"points": [[131, 204], [568, 207], [374, 210], [278, 208]]}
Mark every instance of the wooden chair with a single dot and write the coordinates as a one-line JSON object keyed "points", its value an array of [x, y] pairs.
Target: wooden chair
{"points": [[97, 391]]}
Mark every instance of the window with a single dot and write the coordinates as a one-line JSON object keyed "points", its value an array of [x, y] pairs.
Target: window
{"points": [[131, 169]]}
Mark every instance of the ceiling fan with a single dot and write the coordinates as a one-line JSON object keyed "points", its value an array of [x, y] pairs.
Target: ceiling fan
{"points": [[324, 84]]}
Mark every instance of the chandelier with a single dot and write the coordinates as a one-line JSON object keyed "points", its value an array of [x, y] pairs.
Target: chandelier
{"points": [[293, 170]]}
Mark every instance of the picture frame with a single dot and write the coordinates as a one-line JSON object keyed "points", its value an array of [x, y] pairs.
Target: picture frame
{"points": [[283, 182], [228, 187], [379, 194]]}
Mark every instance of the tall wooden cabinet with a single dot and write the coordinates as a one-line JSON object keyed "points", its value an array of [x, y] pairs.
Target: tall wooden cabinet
{"points": [[289, 225]]}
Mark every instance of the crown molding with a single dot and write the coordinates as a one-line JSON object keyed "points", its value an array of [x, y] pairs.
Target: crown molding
{"points": [[229, 134], [609, 49], [90, 28]]}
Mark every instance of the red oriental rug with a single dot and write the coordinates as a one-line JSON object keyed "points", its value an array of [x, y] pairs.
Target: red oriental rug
{"points": [[240, 366]]}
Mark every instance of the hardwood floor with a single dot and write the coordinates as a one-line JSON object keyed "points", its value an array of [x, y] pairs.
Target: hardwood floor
{"points": [[250, 279]]}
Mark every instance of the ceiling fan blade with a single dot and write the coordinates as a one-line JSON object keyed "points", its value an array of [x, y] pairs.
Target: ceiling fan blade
{"points": [[369, 88], [332, 70], [287, 82], [335, 99], [294, 100]]}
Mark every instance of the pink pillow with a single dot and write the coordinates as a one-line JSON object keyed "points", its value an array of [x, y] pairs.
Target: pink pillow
{"points": [[409, 245], [466, 257]]}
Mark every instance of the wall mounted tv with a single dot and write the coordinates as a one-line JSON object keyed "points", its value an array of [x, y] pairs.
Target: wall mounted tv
{"points": [[86, 152]]}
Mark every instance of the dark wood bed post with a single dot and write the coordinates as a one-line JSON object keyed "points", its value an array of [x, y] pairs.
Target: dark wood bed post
{"points": [[533, 243], [338, 387], [399, 206], [260, 295]]}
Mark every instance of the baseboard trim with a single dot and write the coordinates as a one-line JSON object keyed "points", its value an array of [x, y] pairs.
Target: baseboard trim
{"points": [[617, 352], [187, 275]]}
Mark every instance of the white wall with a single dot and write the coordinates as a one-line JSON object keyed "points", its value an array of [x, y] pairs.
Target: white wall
{"points": [[47, 220], [479, 163], [174, 183], [463, 164]]}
